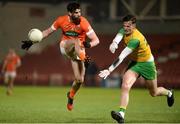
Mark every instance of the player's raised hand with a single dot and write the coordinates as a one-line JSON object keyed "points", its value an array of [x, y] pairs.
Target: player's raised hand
{"points": [[104, 73], [26, 44], [113, 47]]}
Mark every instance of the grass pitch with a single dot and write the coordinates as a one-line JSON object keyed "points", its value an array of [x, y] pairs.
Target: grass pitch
{"points": [[91, 105]]}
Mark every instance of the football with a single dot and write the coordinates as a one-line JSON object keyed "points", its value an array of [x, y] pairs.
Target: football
{"points": [[35, 35]]}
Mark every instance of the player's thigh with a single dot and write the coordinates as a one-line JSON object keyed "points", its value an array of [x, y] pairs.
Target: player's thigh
{"points": [[67, 49], [9, 76], [79, 48], [67, 45], [78, 69], [129, 79]]}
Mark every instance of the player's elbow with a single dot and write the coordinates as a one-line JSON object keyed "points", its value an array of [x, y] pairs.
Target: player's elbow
{"points": [[95, 42]]}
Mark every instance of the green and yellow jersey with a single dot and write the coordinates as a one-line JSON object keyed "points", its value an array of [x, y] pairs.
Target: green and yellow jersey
{"points": [[137, 42]]}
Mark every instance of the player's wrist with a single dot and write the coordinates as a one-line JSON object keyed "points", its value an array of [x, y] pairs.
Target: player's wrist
{"points": [[110, 69], [115, 42]]}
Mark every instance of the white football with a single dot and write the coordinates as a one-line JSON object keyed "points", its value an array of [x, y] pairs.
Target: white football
{"points": [[35, 35]]}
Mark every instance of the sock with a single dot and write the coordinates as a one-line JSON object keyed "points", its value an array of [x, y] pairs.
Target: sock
{"points": [[122, 111], [75, 87], [169, 93], [72, 93]]}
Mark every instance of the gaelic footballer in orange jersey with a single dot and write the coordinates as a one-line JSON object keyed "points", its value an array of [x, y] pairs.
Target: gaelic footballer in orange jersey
{"points": [[11, 63], [75, 28], [72, 32]]}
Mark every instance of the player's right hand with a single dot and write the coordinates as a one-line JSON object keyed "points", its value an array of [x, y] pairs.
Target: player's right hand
{"points": [[113, 47], [26, 44], [104, 73]]}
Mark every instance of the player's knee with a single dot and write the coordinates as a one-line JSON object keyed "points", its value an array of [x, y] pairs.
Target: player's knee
{"points": [[153, 93], [125, 86]]}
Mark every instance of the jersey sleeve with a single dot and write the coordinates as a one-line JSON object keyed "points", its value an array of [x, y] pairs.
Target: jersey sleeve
{"points": [[133, 44], [86, 26], [57, 23], [121, 31]]}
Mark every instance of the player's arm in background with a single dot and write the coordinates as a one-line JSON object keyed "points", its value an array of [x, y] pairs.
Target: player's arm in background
{"points": [[18, 61], [114, 45], [127, 50]]}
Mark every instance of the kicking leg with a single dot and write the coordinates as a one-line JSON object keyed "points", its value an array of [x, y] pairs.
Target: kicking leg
{"points": [[160, 91]]}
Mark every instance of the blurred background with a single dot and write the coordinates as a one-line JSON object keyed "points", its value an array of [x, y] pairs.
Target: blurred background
{"points": [[43, 65]]}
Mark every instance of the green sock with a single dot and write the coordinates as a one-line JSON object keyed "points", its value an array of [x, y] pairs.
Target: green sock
{"points": [[121, 109]]}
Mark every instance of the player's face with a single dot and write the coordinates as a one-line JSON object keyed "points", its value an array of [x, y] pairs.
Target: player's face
{"points": [[128, 27], [76, 13], [75, 16]]}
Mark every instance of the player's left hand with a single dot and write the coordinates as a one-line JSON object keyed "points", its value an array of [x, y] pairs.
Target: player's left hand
{"points": [[104, 73], [87, 44], [26, 44]]}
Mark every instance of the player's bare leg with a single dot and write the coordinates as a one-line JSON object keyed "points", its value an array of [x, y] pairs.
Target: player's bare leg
{"points": [[10, 86], [80, 50], [160, 91], [76, 53], [129, 79], [79, 72]]}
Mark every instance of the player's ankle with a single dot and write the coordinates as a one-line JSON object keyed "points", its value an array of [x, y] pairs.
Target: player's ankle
{"points": [[122, 111], [122, 114], [169, 93]]}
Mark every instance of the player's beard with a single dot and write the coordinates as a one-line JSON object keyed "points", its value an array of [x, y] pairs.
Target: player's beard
{"points": [[76, 20]]}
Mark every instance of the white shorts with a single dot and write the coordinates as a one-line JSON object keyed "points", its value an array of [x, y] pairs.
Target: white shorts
{"points": [[10, 74]]}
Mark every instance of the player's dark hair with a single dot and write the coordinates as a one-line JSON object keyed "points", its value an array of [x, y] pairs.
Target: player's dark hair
{"points": [[71, 7], [129, 18]]}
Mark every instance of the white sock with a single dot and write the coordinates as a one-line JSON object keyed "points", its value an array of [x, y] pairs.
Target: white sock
{"points": [[169, 94], [122, 113]]}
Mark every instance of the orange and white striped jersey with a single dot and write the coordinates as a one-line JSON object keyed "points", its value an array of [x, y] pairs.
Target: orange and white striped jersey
{"points": [[71, 30]]}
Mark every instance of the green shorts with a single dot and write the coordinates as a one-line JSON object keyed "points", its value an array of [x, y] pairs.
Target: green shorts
{"points": [[145, 69]]}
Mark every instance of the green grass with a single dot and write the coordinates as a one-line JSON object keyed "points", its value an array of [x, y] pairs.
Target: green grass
{"points": [[92, 105]]}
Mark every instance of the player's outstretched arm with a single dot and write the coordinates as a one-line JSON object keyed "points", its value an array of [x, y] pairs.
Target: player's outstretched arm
{"points": [[105, 73], [26, 44], [47, 32]]}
